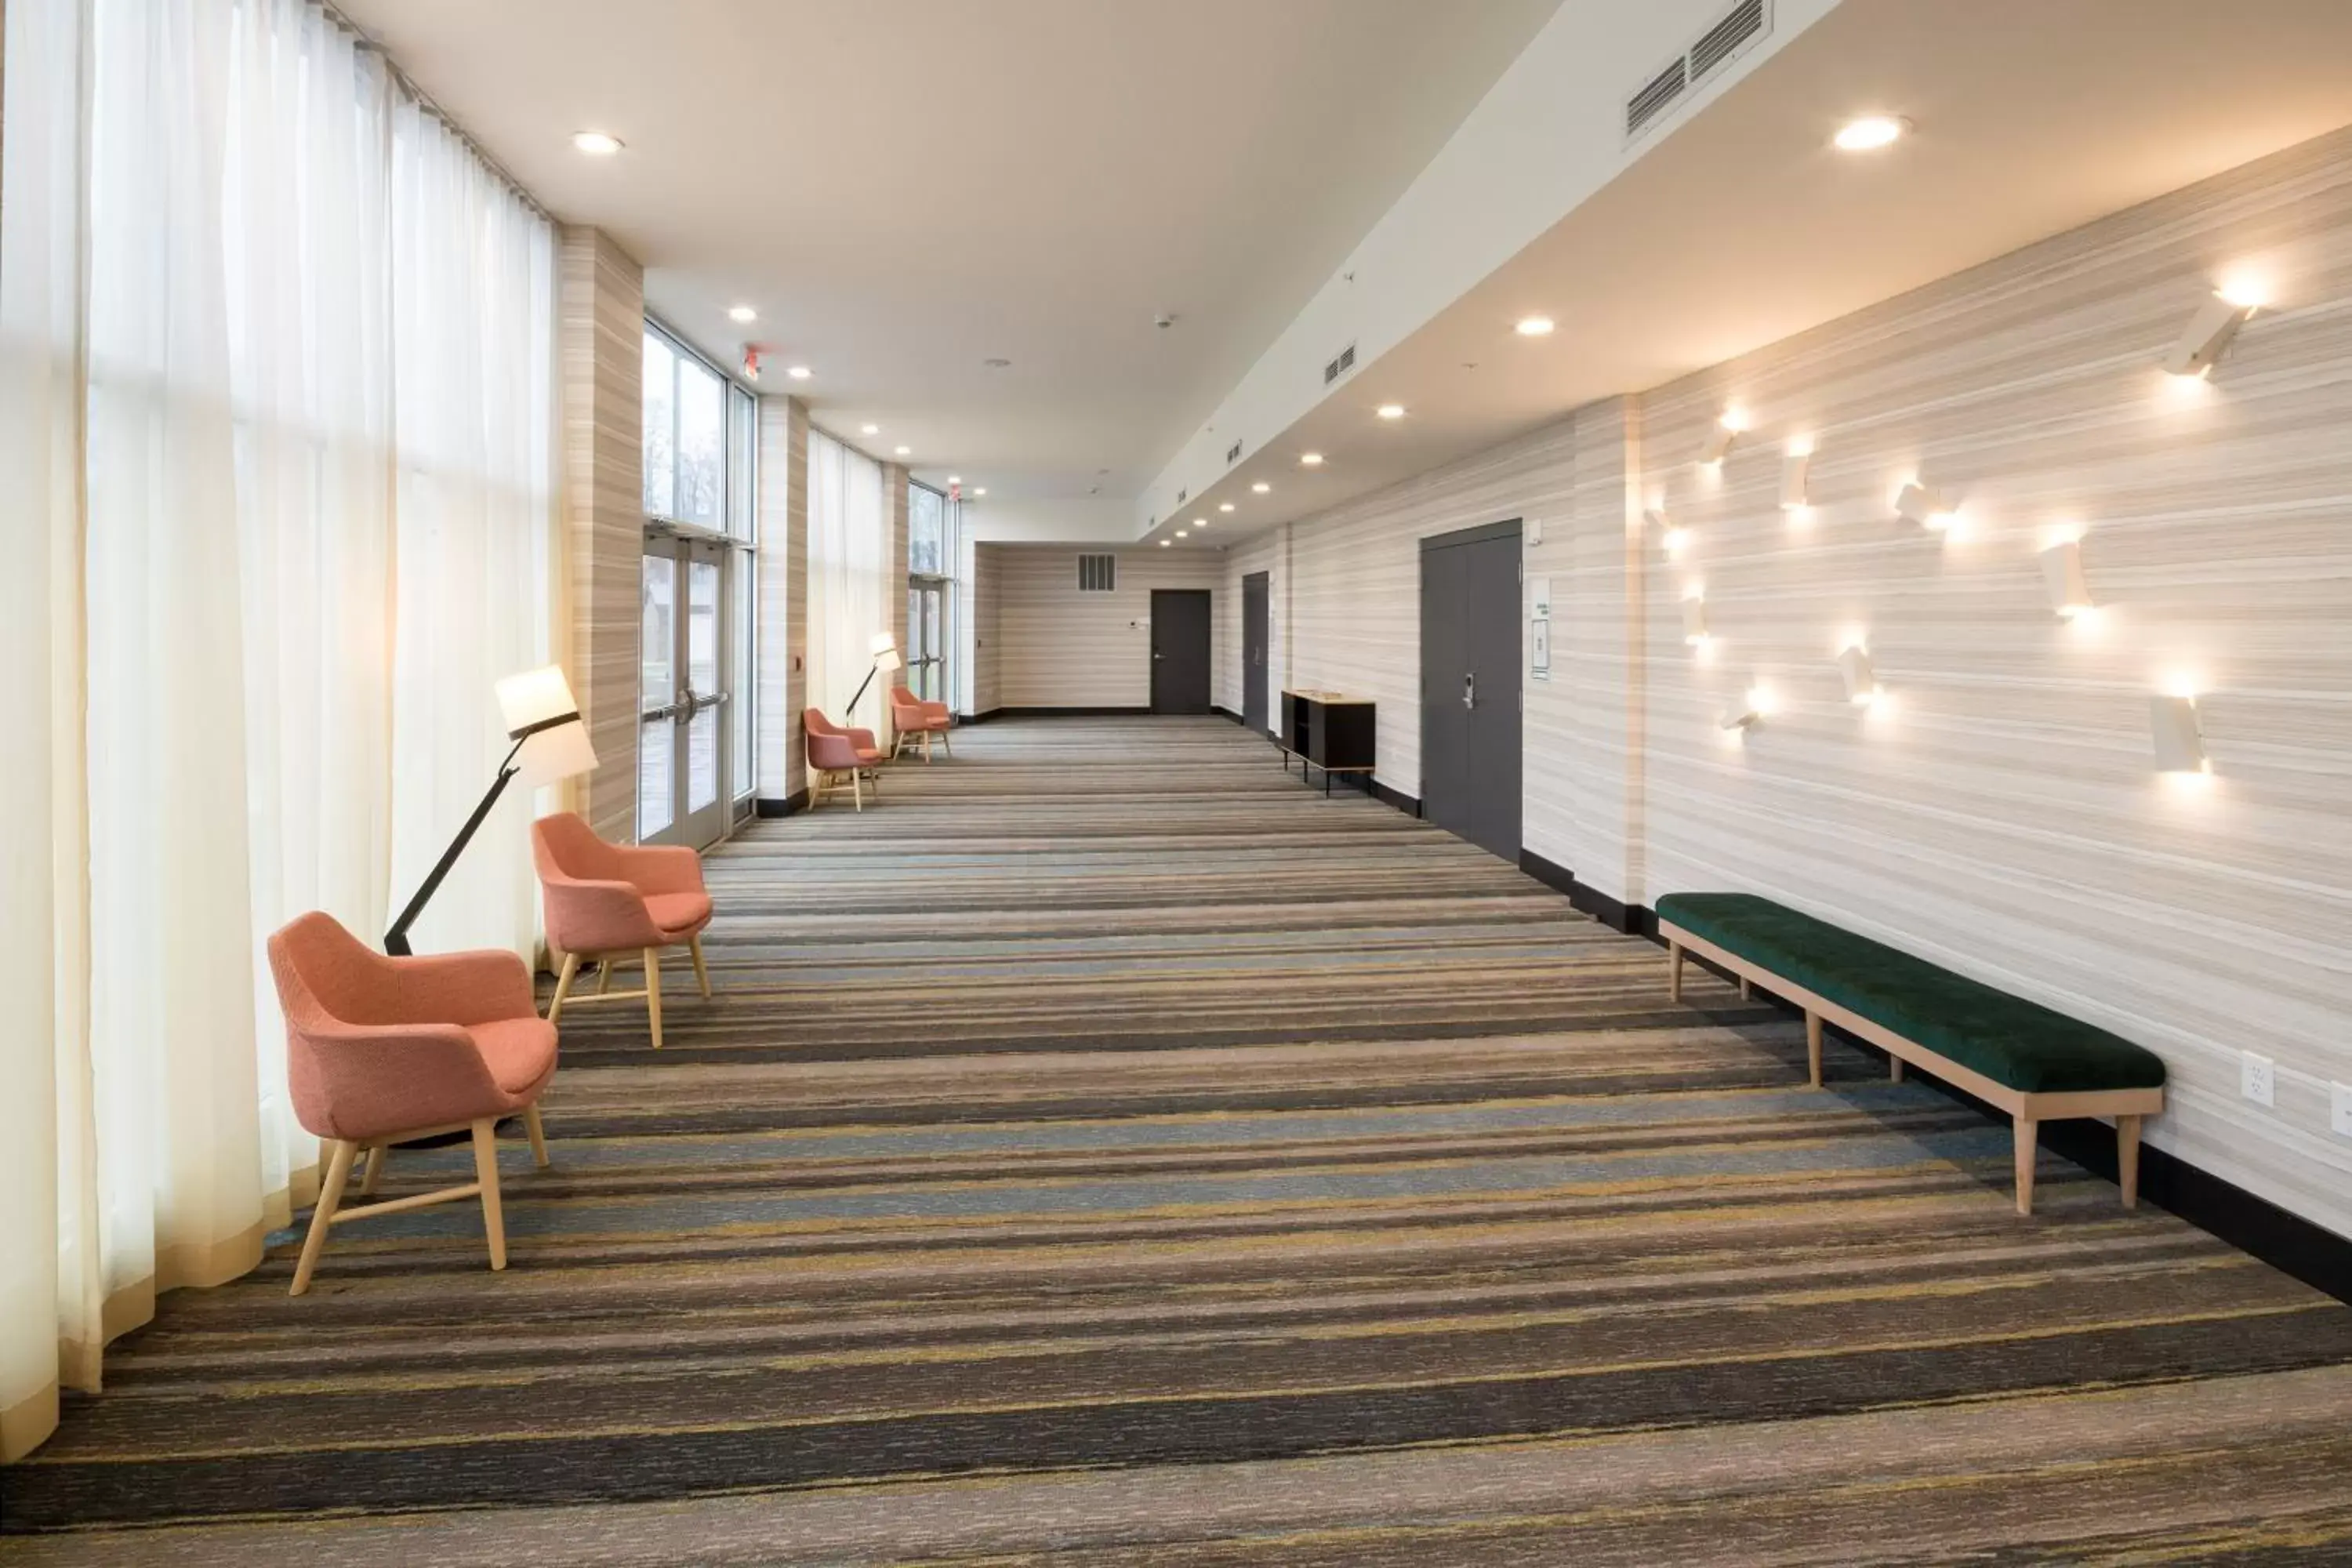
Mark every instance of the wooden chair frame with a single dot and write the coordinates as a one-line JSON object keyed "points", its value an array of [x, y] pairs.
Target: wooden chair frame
{"points": [[650, 991], [824, 780], [341, 1152], [2027, 1112]]}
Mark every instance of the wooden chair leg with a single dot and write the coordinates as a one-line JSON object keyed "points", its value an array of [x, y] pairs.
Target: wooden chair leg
{"points": [[927, 748], [857, 788], [538, 1137], [562, 986], [1814, 1048], [486, 1172], [379, 1156], [330, 1197], [944, 746], [2028, 1138], [1674, 972], [603, 975], [652, 993], [701, 969], [2128, 1159]]}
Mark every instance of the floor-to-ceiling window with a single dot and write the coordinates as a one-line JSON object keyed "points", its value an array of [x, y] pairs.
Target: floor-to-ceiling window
{"points": [[931, 592], [694, 764]]}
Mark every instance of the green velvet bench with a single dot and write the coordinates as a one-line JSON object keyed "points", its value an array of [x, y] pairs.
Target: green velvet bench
{"points": [[2037, 1065]]}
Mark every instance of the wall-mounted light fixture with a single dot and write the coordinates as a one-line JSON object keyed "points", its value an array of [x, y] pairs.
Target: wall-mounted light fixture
{"points": [[1754, 706], [1721, 436], [1671, 540], [1861, 681], [1794, 468], [2180, 740], [1695, 620], [2062, 576], [2211, 331], [1929, 508]]}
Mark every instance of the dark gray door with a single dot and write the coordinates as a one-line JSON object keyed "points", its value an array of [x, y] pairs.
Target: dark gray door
{"points": [[1254, 641], [1470, 675], [1180, 650]]}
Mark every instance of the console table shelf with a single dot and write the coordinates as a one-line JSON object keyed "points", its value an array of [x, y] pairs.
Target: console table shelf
{"points": [[1325, 730]]}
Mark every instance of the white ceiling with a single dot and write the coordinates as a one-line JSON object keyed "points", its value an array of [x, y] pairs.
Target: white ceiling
{"points": [[905, 188], [1742, 226]]}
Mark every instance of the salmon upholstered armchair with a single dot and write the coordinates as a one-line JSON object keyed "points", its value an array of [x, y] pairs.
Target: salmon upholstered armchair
{"points": [[381, 1051], [833, 753], [913, 717], [607, 901]]}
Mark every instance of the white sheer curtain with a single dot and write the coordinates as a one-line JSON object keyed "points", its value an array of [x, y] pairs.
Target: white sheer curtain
{"points": [[278, 454], [846, 579]]}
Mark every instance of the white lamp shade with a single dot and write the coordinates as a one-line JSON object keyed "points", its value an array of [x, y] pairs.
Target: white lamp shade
{"points": [[1861, 681], [534, 697], [2062, 574], [882, 642], [553, 755], [2180, 742], [888, 659]]}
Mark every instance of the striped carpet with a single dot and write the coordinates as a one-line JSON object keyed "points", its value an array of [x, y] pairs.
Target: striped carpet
{"points": [[1108, 1151]]}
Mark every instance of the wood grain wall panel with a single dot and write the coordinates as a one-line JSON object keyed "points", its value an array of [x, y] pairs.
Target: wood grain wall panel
{"points": [[1057, 647], [2000, 812], [601, 310], [987, 684], [783, 595]]}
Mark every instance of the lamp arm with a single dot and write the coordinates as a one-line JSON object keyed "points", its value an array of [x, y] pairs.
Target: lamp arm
{"points": [[396, 940], [851, 714]]}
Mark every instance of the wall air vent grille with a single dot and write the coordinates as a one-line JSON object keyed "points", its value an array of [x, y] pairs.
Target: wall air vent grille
{"points": [[1731, 34], [1340, 366], [1722, 41], [1234, 453], [1097, 574], [1651, 102]]}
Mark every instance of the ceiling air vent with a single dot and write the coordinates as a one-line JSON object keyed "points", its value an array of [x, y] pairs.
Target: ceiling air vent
{"points": [[1234, 453], [1725, 39], [1340, 366], [1097, 574], [1721, 42]]}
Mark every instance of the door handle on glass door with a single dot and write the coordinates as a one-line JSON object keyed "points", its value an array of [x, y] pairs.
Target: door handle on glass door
{"points": [[1470, 690]]}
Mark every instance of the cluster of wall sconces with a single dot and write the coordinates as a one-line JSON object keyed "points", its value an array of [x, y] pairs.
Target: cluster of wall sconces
{"points": [[2177, 736]]}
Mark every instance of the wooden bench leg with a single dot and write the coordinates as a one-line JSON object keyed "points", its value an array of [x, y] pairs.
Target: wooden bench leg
{"points": [[1674, 972], [2028, 1140], [2128, 1159], [1746, 988], [1893, 1067], [1814, 1048]]}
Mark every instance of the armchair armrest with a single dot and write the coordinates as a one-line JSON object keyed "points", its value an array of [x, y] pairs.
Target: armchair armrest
{"points": [[597, 917], [861, 739], [663, 869], [479, 987], [362, 1080]]}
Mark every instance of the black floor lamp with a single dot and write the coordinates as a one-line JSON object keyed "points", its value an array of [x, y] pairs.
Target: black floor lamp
{"points": [[885, 649], [551, 743]]}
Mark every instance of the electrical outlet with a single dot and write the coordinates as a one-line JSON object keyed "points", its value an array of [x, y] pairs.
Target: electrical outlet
{"points": [[2339, 1109], [2256, 1078]]}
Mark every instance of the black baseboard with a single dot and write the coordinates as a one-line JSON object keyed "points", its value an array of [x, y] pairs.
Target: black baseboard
{"points": [[1144, 713], [1614, 913], [978, 718], [1409, 805], [796, 801], [2287, 1242]]}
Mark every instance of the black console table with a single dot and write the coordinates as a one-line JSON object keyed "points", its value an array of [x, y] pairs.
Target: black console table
{"points": [[1324, 730]]}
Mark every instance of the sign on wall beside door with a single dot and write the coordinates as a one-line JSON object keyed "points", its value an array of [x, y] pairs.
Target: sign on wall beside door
{"points": [[1540, 627]]}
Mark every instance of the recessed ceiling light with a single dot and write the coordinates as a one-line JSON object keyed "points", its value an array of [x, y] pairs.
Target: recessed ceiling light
{"points": [[1199, 522], [1181, 534], [1261, 488], [870, 429], [1391, 411], [955, 478], [906, 451], [1224, 505], [1535, 326], [1310, 459], [596, 144], [1166, 543], [741, 314], [799, 372], [1871, 132], [981, 492]]}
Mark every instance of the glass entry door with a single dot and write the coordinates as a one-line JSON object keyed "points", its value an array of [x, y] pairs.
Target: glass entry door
{"points": [[927, 629], [684, 688]]}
